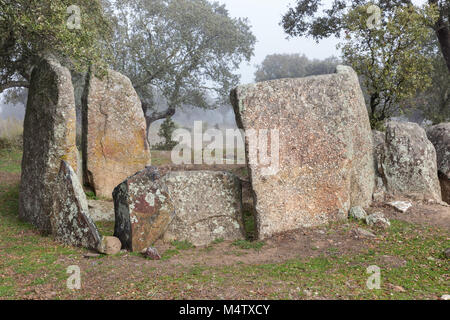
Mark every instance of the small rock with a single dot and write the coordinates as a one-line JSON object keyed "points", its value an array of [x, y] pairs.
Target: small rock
{"points": [[399, 289], [110, 245], [91, 255], [151, 253], [362, 233], [357, 213], [401, 206], [445, 297], [377, 219], [447, 253]]}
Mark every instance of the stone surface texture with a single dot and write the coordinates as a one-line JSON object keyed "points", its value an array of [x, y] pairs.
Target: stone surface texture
{"points": [[407, 162], [49, 137], [116, 145], [326, 149], [439, 135], [71, 223], [208, 205], [143, 210]]}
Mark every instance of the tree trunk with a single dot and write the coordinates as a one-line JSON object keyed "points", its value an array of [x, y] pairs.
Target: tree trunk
{"points": [[442, 30], [155, 116], [443, 35]]}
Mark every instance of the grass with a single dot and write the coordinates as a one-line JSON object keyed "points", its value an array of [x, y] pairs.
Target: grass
{"points": [[34, 266], [245, 244]]}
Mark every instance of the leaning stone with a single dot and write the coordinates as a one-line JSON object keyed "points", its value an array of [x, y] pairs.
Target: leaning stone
{"points": [[325, 161], [143, 210], [377, 219], [408, 162], [401, 206], [358, 213], [49, 136], [110, 245], [71, 223], [151, 253], [208, 205], [116, 144], [439, 136]]}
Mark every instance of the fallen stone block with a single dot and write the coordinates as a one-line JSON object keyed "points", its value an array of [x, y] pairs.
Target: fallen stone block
{"points": [[208, 205], [101, 210], [143, 210], [401, 206], [377, 219], [309, 149]]}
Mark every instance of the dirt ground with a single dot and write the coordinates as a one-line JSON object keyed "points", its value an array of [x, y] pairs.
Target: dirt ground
{"points": [[327, 262]]}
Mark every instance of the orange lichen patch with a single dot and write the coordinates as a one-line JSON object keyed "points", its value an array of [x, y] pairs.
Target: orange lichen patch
{"points": [[116, 143]]}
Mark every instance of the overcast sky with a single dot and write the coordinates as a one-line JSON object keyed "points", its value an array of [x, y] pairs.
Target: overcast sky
{"points": [[265, 17]]}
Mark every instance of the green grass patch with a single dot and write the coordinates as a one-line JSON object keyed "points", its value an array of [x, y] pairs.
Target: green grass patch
{"points": [[245, 244]]}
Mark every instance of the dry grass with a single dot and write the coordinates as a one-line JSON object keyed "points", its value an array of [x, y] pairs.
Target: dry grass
{"points": [[11, 131]]}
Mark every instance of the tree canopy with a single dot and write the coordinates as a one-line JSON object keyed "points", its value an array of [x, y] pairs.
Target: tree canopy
{"points": [[311, 18], [30, 29], [184, 50], [391, 59], [277, 66]]}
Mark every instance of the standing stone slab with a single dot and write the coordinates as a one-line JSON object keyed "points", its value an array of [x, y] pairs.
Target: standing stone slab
{"points": [[143, 210], [439, 136], [208, 205], [408, 162], [326, 149], [49, 137], [71, 223], [115, 146]]}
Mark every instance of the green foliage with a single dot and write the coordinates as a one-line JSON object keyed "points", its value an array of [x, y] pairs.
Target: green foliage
{"points": [[165, 132], [278, 66], [179, 52], [182, 245], [31, 29], [390, 59], [245, 244]]}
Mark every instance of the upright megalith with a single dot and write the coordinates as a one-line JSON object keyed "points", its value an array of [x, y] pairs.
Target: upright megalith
{"points": [[439, 135], [71, 222], [49, 137], [208, 205], [115, 132], [325, 149], [407, 162], [143, 210]]}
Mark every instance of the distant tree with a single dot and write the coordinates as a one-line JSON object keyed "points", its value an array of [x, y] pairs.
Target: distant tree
{"points": [[434, 102], [184, 50], [165, 132], [391, 59], [30, 29], [277, 66], [308, 18]]}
